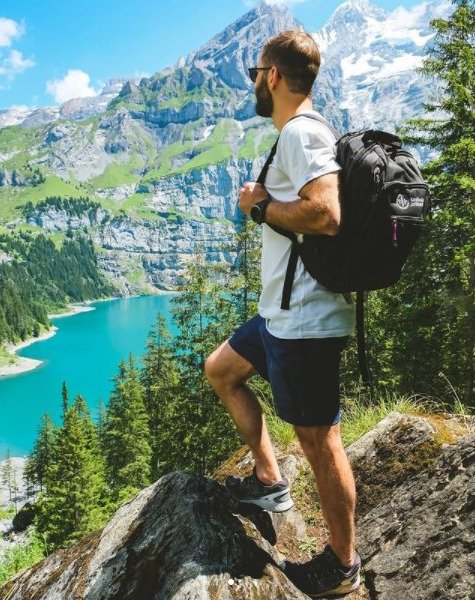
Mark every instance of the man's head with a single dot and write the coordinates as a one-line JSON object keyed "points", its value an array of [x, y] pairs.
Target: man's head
{"points": [[291, 55]]}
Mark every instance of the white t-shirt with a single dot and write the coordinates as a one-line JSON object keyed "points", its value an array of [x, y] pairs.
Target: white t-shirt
{"points": [[305, 151]]}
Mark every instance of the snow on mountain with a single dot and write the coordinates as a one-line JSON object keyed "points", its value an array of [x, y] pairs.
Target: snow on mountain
{"points": [[370, 58], [14, 115]]}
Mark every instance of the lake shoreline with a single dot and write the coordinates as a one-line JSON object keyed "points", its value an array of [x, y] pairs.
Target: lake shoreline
{"points": [[23, 364]]}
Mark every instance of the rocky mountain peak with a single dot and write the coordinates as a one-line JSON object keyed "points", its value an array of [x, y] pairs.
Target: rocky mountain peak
{"points": [[348, 22], [230, 52]]}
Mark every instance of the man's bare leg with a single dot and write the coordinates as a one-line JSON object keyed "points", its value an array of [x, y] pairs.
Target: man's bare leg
{"points": [[227, 371], [336, 485]]}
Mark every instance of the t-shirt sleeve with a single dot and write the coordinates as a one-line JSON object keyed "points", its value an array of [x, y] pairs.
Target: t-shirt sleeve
{"points": [[307, 151]]}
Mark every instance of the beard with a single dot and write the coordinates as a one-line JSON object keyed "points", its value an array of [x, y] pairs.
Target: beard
{"points": [[264, 101]]}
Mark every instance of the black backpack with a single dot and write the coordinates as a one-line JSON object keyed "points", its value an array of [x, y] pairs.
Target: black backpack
{"points": [[384, 201]]}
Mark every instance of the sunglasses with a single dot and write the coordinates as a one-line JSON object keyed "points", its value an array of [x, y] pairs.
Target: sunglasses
{"points": [[253, 71]]}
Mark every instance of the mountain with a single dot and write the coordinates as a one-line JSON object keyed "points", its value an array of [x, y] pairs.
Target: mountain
{"points": [[370, 57], [165, 155], [75, 109]]}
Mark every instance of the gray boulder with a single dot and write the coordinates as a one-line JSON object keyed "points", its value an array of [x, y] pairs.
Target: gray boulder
{"points": [[418, 539], [182, 537]]}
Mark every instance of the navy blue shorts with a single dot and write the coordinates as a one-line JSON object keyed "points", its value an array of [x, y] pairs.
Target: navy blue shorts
{"points": [[304, 374]]}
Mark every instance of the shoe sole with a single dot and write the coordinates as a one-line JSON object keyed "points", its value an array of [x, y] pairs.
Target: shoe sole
{"points": [[347, 586], [277, 502]]}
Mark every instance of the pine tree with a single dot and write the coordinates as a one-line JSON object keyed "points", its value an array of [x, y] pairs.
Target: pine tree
{"points": [[127, 434], [74, 502], [161, 382], [245, 276], [439, 287], [102, 413], [203, 431], [7, 474], [40, 460], [65, 397]]}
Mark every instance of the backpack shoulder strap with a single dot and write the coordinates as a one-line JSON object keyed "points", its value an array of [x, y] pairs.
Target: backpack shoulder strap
{"points": [[261, 179], [262, 175]]}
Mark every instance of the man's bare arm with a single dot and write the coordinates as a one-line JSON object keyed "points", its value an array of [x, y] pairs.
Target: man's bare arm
{"points": [[317, 211]]}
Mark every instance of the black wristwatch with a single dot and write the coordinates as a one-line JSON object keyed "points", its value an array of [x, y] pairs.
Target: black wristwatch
{"points": [[258, 210]]}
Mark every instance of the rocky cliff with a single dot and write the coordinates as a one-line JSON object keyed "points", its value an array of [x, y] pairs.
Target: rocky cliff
{"points": [[183, 538]]}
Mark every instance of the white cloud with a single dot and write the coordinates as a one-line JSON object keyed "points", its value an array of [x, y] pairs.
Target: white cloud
{"points": [[13, 64], [18, 63], [8, 30], [12, 61], [75, 84]]}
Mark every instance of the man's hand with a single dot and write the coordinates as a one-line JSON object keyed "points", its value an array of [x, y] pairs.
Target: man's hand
{"points": [[250, 193]]}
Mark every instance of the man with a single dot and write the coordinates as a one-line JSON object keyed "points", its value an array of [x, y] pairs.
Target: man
{"points": [[297, 350]]}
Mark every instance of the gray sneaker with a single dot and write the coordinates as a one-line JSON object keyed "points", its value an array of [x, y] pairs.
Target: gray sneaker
{"points": [[324, 575], [251, 490]]}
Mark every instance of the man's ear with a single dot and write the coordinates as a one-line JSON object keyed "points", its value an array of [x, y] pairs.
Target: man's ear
{"points": [[273, 77]]}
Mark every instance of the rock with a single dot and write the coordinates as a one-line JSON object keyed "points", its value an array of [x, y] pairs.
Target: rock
{"points": [[118, 193], [416, 494], [56, 133], [24, 517], [397, 448], [182, 537]]}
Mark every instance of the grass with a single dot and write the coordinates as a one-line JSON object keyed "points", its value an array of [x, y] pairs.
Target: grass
{"points": [[256, 144], [20, 557], [189, 128], [137, 205], [266, 144], [17, 138], [164, 161], [248, 149], [183, 98], [358, 415], [213, 150], [11, 199], [7, 512], [135, 275], [212, 156], [57, 238], [6, 359], [118, 174]]}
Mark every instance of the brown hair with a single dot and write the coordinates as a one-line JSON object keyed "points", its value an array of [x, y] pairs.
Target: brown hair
{"points": [[296, 56]]}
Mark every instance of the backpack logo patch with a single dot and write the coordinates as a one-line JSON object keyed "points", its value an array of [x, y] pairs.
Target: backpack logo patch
{"points": [[402, 201]]}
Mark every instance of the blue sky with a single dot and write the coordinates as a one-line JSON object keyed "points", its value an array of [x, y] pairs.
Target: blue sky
{"points": [[51, 50]]}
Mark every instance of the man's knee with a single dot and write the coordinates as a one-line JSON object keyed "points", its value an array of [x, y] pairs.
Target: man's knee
{"points": [[225, 367], [319, 441], [213, 370]]}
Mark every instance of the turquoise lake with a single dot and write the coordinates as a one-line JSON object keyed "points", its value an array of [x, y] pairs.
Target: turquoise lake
{"points": [[85, 352]]}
